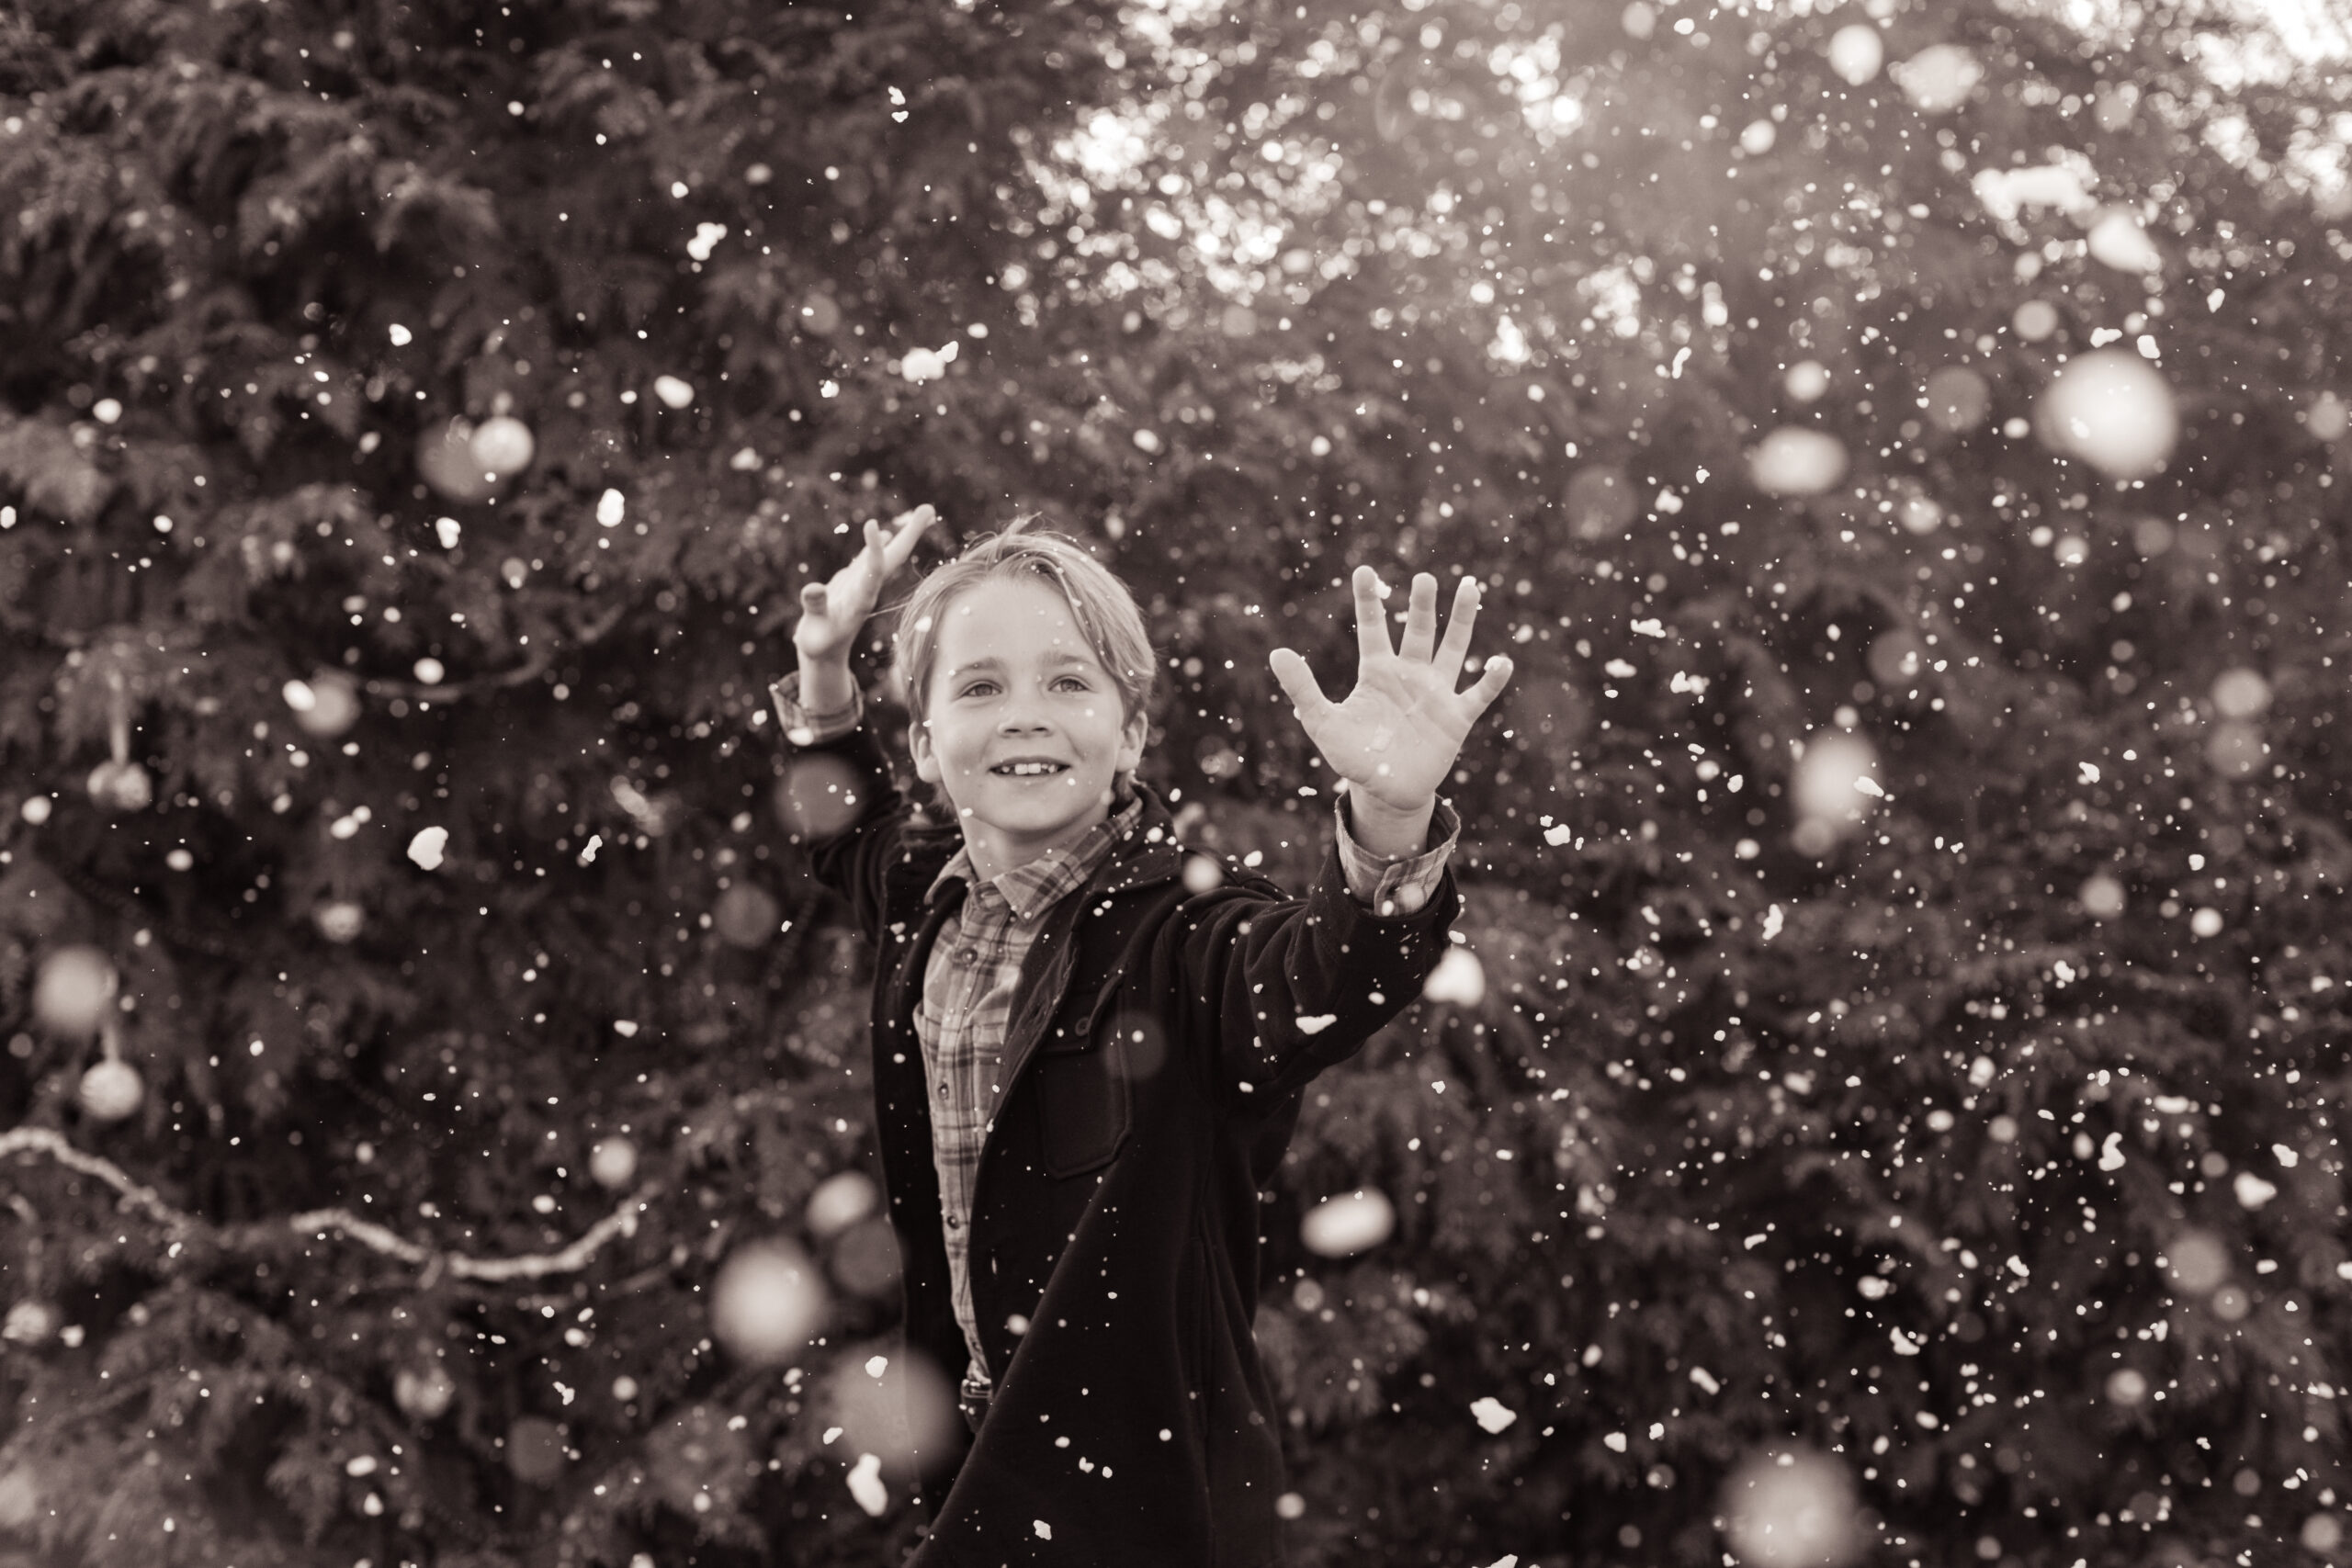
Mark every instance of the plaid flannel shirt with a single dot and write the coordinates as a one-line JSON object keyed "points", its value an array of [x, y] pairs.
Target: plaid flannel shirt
{"points": [[969, 981]]}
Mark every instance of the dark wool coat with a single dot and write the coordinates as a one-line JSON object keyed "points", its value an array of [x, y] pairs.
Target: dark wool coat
{"points": [[1159, 1041]]}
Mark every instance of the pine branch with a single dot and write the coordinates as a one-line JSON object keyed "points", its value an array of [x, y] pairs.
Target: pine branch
{"points": [[316, 1223]]}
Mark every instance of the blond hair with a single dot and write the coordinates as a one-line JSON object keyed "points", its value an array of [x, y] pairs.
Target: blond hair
{"points": [[1106, 613]]}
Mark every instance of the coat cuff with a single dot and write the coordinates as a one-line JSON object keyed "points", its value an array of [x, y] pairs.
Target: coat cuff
{"points": [[804, 726], [1390, 887]]}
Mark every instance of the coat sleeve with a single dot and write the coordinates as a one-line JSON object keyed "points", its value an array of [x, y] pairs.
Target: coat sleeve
{"points": [[1275, 989], [842, 806]]}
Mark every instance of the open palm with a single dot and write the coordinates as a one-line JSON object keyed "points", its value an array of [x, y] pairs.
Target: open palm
{"points": [[1395, 737]]}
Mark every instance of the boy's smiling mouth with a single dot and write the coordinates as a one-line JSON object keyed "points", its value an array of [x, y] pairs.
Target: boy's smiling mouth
{"points": [[1029, 768]]}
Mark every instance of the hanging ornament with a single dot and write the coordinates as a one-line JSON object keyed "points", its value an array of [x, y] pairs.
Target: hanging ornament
{"points": [[444, 456], [503, 446], [76, 988], [423, 1391], [118, 783], [339, 919], [612, 1162], [324, 705], [110, 1090]]}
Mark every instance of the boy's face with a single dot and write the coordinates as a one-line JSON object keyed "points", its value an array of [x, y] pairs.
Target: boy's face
{"points": [[1025, 735]]}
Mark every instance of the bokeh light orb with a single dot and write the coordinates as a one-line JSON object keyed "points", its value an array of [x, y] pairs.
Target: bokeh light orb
{"points": [[1806, 380], [423, 1391], [110, 1090], [1598, 502], [1836, 780], [889, 1400], [2111, 410], [503, 446], [2126, 1386], [446, 460], [75, 987], [612, 1163], [2328, 417], [865, 1260], [2196, 1261], [1794, 1508], [339, 919], [2236, 749], [840, 1202], [1897, 657], [818, 796], [1348, 1223], [2034, 320], [746, 915], [325, 705], [766, 1302], [2102, 895], [19, 1499], [1957, 398], [535, 1450], [1792, 460], [1857, 53], [2241, 693]]}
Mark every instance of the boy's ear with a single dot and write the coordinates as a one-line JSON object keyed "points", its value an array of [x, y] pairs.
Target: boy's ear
{"points": [[918, 747], [1132, 736]]}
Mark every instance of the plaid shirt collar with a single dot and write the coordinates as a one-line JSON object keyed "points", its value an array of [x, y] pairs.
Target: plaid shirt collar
{"points": [[1031, 889]]}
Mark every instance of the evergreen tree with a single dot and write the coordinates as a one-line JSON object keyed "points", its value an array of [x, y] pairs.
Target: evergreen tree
{"points": [[1897, 1025]]}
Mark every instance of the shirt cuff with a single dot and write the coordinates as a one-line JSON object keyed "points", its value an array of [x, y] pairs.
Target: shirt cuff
{"points": [[804, 728], [1396, 886]]}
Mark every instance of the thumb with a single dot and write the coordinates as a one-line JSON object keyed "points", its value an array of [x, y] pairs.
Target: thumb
{"points": [[812, 598]]}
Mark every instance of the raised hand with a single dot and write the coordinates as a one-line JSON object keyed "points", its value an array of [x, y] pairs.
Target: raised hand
{"points": [[1395, 737], [831, 613]]}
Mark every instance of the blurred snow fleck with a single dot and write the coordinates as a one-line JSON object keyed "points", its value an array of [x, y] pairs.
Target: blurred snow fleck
{"points": [[1458, 978], [866, 1484], [2110, 1153], [450, 530], [673, 392], [1705, 1379], [2252, 1191], [1795, 461], [706, 236], [1772, 920], [1615, 1442], [427, 848], [1348, 1223], [610, 506], [1316, 1024], [2118, 240], [2065, 185], [1045, 1531], [1792, 1510], [1492, 1413], [2110, 409], [923, 364], [1940, 77]]}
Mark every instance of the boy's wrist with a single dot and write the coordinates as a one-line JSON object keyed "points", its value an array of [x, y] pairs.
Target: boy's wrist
{"points": [[826, 682], [1390, 832]]}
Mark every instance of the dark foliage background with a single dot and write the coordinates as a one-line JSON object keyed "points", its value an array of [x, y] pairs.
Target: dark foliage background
{"points": [[1970, 1135]]}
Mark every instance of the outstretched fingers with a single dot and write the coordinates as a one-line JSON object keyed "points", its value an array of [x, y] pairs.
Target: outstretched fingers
{"points": [[1458, 626], [1489, 685], [1372, 622], [1420, 620], [1299, 684]]}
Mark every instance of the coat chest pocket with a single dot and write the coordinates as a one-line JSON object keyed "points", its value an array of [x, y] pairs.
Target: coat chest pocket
{"points": [[1082, 1093]]}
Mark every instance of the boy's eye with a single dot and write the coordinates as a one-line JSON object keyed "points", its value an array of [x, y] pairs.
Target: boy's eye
{"points": [[1077, 681], [976, 688]]}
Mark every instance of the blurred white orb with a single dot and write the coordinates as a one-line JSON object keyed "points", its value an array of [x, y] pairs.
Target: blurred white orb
{"points": [[1939, 78], [2034, 320], [2328, 417], [673, 392], [503, 445], [890, 1402], [110, 1090], [611, 1162], [866, 1485], [1757, 138], [423, 1391], [818, 796], [1856, 53], [1348, 1223], [2118, 240], [1837, 779], [1793, 1509], [1957, 398], [339, 919], [430, 672], [1919, 514], [2235, 748], [332, 705], [2241, 693], [2126, 1386], [2206, 922], [75, 987], [444, 456], [1806, 380], [840, 1202], [2112, 410], [1638, 20], [121, 786], [1796, 461], [2198, 1261], [19, 1499], [1202, 874], [765, 1302], [2102, 895], [1459, 979]]}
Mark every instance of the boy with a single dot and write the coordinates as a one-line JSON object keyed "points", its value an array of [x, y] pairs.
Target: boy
{"points": [[1088, 1058]]}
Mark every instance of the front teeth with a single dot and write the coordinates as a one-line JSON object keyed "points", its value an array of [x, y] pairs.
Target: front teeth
{"points": [[1023, 770]]}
